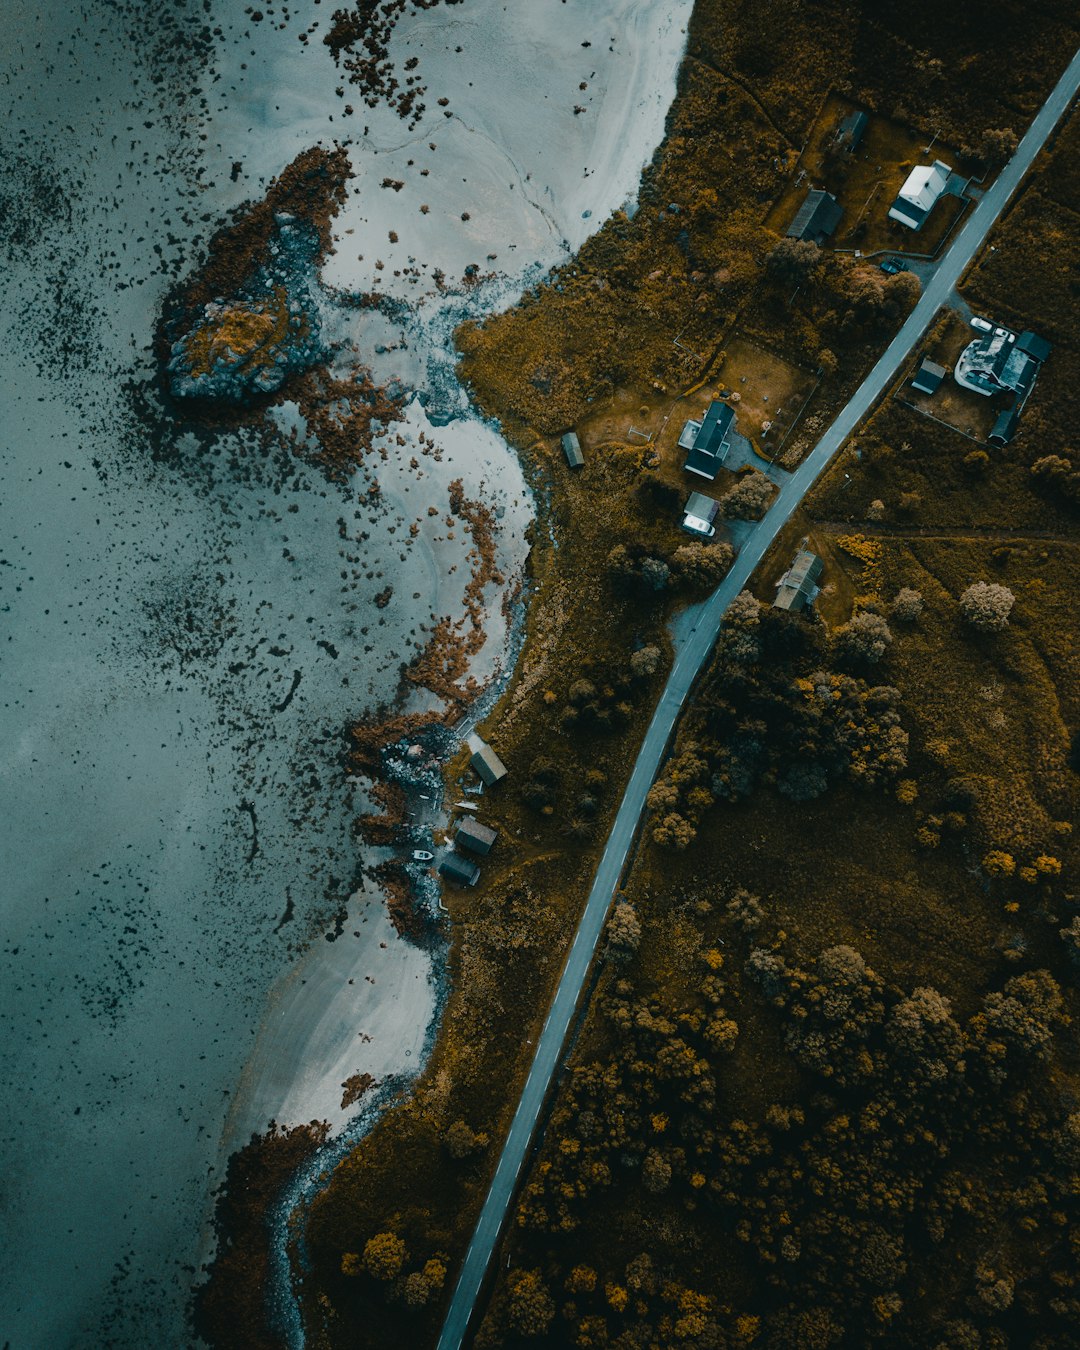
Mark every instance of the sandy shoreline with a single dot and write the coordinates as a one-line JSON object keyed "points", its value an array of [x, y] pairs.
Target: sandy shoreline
{"points": [[192, 624]]}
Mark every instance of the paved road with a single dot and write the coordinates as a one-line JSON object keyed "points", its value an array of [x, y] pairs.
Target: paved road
{"points": [[692, 655]]}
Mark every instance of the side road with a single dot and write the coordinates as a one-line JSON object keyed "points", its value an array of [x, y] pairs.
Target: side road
{"points": [[692, 655]]}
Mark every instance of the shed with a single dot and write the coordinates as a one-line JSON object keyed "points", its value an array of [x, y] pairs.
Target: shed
{"points": [[474, 837], [1004, 428], [699, 514], [485, 763], [798, 587], [929, 377], [461, 870], [707, 441], [1034, 346], [852, 129], [572, 450], [817, 218]]}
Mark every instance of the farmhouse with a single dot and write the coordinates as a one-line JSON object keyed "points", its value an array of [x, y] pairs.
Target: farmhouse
{"points": [[572, 450], [798, 588], [924, 185], [460, 870], [999, 362], [699, 514], [928, 377], [708, 441], [474, 837], [817, 218], [485, 763]]}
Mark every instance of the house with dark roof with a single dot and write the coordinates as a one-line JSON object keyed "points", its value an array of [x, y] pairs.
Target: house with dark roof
{"points": [[474, 837], [699, 515], [461, 870], [817, 218], [916, 199], [928, 377], [1034, 346], [798, 587], [572, 450], [1005, 424], [997, 363], [852, 129], [708, 441], [485, 763]]}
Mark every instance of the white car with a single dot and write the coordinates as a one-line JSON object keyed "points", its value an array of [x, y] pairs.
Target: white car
{"points": [[983, 325]]}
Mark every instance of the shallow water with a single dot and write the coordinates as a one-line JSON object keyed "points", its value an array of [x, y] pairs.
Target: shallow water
{"points": [[182, 640]]}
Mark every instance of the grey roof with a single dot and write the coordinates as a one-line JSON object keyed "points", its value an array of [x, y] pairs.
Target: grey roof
{"points": [[459, 869], [486, 764], [572, 450], [913, 215], [854, 127], [475, 837], [1033, 345], [797, 587], [816, 219], [710, 443], [929, 377], [702, 506], [1004, 428]]}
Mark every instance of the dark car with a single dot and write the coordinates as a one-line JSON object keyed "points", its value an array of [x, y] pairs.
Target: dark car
{"points": [[894, 265]]}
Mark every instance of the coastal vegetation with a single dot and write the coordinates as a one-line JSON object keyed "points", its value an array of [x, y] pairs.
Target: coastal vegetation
{"points": [[823, 1093]]}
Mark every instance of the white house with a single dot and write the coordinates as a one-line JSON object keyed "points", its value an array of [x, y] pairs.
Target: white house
{"points": [[923, 187]]}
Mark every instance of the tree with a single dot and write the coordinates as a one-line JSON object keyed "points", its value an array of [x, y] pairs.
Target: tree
{"points": [[866, 638], [624, 931], [793, 262], [745, 911], [907, 605], [462, 1142], [702, 566], [530, 1306], [655, 1172], [749, 498], [654, 573], [986, 606], [644, 662], [384, 1255], [995, 146], [674, 831]]}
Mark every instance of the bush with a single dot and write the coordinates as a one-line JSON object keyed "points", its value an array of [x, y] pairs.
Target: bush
{"points": [[986, 606], [384, 1255], [749, 499], [644, 662], [654, 573], [866, 638], [907, 605], [702, 566]]}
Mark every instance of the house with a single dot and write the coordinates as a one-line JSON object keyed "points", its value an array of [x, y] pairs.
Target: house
{"points": [[798, 588], [817, 218], [485, 763], [997, 363], [460, 870], [923, 186], [699, 514], [928, 378], [852, 129], [572, 450], [708, 441], [1004, 428], [474, 837]]}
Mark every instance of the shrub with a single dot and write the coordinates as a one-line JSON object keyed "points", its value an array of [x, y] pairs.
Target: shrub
{"points": [[986, 606], [624, 931], [866, 638], [384, 1255], [907, 605], [749, 498], [644, 662], [702, 566]]}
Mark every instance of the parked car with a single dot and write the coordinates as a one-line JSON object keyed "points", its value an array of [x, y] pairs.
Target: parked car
{"points": [[894, 265], [983, 325]]}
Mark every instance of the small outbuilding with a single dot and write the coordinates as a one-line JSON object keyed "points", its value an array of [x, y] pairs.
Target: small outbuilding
{"points": [[474, 837], [817, 218], [699, 515], [1005, 424], [708, 441], [916, 199], [928, 377], [462, 871], [851, 130], [572, 450], [798, 587], [485, 763], [1034, 346]]}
